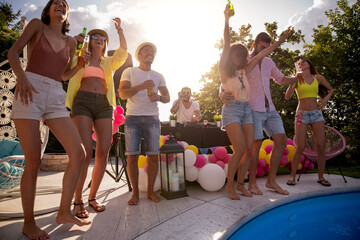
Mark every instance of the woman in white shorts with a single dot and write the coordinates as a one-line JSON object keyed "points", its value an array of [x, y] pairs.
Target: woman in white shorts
{"points": [[39, 95]]}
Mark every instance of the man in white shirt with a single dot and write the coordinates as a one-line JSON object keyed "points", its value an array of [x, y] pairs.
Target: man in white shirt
{"points": [[140, 86], [186, 110]]}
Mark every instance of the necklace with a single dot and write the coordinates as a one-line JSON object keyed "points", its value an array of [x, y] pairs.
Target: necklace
{"points": [[241, 79]]}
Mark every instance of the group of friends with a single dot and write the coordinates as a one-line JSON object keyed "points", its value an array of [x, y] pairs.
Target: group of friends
{"points": [[39, 96]]}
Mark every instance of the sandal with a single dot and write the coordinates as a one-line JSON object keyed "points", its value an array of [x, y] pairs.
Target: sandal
{"points": [[291, 182], [324, 182], [81, 213], [98, 207]]}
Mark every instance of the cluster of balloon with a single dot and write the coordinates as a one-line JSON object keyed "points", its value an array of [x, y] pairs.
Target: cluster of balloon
{"points": [[119, 120]]}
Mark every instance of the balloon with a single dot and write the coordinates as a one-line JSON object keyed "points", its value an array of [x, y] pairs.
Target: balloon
{"points": [[190, 158], [286, 151], [311, 166], [227, 158], [145, 167], [268, 158], [192, 173], [141, 161], [289, 142], [266, 142], [299, 166], [268, 148], [119, 110], [200, 161], [260, 172], [115, 128], [213, 158], [267, 168], [291, 152], [221, 164], [161, 144], [165, 138], [211, 177], [220, 153], [302, 159], [143, 180], [232, 148], [193, 148], [262, 163], [262, 153], [284, 160], [288, 165], [93, 136], [179, 142], [185, 144]]}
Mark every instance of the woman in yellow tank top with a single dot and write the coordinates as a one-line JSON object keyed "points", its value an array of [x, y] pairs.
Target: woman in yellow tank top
{"points": [[309, 112]]}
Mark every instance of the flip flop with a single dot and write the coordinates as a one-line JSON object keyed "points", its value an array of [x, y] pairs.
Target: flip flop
{"points": [[324, 182], [98, 207], [291, 182]]}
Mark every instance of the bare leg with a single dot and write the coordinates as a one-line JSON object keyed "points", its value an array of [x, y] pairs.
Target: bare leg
{"points": [[66, 132], [245, 161], [29, 136], [300, 135], [152, 172], [277, 151], [253, 187], [133, 172], [318, 129]]}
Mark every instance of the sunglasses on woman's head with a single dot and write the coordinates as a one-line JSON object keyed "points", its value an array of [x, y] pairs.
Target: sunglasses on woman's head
{"points": [[97, 37]]}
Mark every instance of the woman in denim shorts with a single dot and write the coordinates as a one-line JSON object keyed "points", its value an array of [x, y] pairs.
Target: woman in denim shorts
{"points": [[236, 116], [308, 113], [91, 98]]}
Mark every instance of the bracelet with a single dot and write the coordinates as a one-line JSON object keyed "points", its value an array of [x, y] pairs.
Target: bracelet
{"points": [[119, 29]]}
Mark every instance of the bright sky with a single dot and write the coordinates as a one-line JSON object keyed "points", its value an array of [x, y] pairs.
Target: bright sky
{"points": [[184, 31]]}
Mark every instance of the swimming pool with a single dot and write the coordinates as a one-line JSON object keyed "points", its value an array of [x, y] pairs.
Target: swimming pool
{"points": [[335, 216]]}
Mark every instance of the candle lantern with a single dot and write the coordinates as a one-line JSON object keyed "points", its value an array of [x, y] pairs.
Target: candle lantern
{"points": [[172, 169]]}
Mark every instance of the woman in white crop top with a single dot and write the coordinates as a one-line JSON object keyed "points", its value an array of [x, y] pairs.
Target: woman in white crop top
{"points": [[236, 116]]}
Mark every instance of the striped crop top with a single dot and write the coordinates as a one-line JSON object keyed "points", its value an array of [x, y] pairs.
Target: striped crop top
{"points": [[305, 90]]}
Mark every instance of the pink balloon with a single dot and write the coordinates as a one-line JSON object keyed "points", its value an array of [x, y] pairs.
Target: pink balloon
{"points": [[286, 151], [119, 110], [227, 158], [179, 142], [311, 166], [302, 159], [261, 163], [115, 128], [93, 136], [289, 142], [306, 163], [165, 138], [221, 164], [220, 153], [268, 148], [267, 168], [259, 172], [213, 158], [283, 161], [288, 165], [200, 161], [146, 167]]}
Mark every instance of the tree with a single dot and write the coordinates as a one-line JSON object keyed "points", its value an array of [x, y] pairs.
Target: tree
{"points": [[10, 31], [336, 53]]}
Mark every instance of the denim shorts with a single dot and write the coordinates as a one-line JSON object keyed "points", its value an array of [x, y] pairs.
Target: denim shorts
{"points": [[138, 127], [269, 121], [310, 117], [93, 105], [47, 104], [236, 111]]}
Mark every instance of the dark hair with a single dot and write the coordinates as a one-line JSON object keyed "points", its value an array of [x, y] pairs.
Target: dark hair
{"points": [[242, 52], [262, 37], [45, 17]]}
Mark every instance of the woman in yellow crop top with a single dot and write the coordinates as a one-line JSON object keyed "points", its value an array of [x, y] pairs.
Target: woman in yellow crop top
{"points": [[91, 98], [309, 113], [236, 116]]}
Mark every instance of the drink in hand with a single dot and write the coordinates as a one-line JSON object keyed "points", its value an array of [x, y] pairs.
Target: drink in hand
{"points": [[231, 9], [81, 61], [150, 90], [79, 44]]}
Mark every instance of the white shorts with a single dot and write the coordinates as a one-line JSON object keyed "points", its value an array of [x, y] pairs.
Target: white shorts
{"points": [[47, 104]]}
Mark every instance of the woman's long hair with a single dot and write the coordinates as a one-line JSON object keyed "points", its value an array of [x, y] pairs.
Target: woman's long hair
{"points": [[45, 17], [241, 52]]}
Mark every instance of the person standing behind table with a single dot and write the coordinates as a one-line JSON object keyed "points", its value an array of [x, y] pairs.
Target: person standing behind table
{"points": [[186, 110], [140, 86], [39, 95], [236, 115], [309, 112], [91, 98], [264, 114]]}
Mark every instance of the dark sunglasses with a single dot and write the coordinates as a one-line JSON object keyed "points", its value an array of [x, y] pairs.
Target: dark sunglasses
{"points": [[96, 37], [186, 92], [300, 61]]}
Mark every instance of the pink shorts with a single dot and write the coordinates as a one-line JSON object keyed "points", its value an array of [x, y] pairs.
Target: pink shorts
{"points": [[47, 104]]}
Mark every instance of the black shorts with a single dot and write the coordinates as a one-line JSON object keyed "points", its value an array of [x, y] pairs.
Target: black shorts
{"points": [[93, 105]]}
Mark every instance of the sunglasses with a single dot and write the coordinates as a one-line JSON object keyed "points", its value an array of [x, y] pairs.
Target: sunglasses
{"points": [[186, 92], [96, 37], [300, 61]]}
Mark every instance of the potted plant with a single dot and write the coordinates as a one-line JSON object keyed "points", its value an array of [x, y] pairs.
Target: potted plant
{"points": [[217, 119], [172, 120]]}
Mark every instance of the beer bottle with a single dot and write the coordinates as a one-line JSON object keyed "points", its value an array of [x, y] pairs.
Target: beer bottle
{"points": [[79, 44], [81, 61], [231, 9], [150, 90]]}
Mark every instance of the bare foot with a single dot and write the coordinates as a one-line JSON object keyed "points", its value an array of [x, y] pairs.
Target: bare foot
{"points": [[254, 189], [276, 187], [154, 198], [32, 231], [231, 191], [134, 200], [62, 218], [240, 187]]}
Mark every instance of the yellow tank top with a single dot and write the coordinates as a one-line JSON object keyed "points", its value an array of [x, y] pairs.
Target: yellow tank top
{"points": [[305, 90]]}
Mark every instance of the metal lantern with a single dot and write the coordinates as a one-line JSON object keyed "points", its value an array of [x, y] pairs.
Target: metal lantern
{"points": [[172, 169]]}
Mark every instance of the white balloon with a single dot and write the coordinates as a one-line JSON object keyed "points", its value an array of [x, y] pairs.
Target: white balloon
{"points": [[226, 169], [190, 158], [211, 177], [185, 144], [191, 173], [143, 180], [157, 184]]}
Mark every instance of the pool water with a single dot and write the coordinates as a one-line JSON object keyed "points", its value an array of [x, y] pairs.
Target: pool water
{"points": [[335, 216]]}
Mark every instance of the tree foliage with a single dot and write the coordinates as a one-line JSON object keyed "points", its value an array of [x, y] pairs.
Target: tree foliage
{"points": [[336, 53], [10, 31]]}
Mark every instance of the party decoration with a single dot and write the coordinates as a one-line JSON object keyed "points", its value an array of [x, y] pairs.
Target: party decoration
{"points": [[213, 158], [211, 177], [142, 161], [221, 164], [227, 158], [220, 153], [262, 153], [192, 173], [193, 148], [268, 148], [190, 158], [200, 161]]}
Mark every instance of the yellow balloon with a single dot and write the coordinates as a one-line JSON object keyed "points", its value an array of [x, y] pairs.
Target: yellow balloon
{"points": [[266, 142], [193, 148], [291, 152], [299, 166], [141, 161], [161, 138], [160, 145], [232, 148], [267, 158], [262, 153]]}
